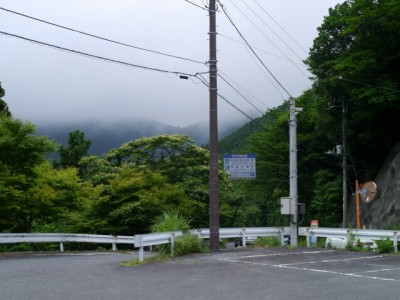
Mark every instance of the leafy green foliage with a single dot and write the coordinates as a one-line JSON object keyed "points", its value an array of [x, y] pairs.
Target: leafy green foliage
{"points": [[351, 244], [3, 105], [189, 244], [77, 148], [131, 201], [355, 57], [170, 221], [327, 200], [385, 246], [267, 241], [22, 195]]}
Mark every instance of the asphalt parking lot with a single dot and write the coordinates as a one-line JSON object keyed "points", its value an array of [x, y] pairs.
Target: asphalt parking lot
{"points": [[277, 273]]}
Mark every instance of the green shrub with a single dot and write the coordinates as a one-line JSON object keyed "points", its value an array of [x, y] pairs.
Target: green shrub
{"points": [[170, 221], [188, 244], [385, 246], [351, 244], [267, 241]]}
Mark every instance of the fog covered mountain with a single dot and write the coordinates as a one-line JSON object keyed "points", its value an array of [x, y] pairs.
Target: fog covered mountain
{"points": [[107, 135]]}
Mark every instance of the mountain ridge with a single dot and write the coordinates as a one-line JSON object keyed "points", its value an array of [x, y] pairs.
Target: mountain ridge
{"points": [[110, 135]]}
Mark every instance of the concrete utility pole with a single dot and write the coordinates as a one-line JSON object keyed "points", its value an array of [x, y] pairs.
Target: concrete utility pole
{"points": [[344, 164], [214, 181], [293, 172]]}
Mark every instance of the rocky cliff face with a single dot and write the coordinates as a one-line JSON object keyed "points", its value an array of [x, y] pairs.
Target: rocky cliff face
{"points": [[384, 211]]}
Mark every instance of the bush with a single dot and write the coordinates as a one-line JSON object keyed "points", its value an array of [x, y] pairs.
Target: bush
{"points": [[385, 246], [267, 241], [352, 244], [188, 244], [170, 221]]}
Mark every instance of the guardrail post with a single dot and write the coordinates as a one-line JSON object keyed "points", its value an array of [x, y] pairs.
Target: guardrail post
{"points": [[282, 234], [172, 243], [114, 245], [308, 237], [61, 247], [139, 244], [244, 243], [395, 241]]}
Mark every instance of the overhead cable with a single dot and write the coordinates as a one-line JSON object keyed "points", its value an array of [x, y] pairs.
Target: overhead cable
{"points": [[277, 36], [196, 5], [96, 56], [270, 40], [220, 71], [103, 38], [259, 49], [252, 50], [204, 81], [243, 96], [283, 29]]}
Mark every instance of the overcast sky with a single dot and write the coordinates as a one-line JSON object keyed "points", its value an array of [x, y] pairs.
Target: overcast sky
{"points": [[43, 84]]}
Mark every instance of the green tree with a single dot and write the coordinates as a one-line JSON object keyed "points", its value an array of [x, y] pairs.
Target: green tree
{"points": [[3, 105], [179, 160], [355, 57], [21, 152], [20, 148], [132, 200], [97, 170], [327, 201], [77, 148]]}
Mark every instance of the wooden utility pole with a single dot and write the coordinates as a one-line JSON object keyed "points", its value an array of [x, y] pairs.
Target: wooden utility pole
{"points": [[214, 180]]}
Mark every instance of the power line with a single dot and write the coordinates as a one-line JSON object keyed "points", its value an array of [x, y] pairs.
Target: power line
{"points": [[205, 82], [283, 29], [96, 56], [243, 89], [196, 5], [259, 49], [103, 38], [248, 45], [243, 96], [257, 63], [266, 25], [271, 41]]}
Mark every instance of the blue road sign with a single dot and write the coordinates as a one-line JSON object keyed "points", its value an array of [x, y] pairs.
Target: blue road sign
{"points": [[240, 166]]}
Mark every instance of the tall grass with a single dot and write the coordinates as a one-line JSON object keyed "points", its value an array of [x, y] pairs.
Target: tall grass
{"points": [[187, 243], [170, 221]]}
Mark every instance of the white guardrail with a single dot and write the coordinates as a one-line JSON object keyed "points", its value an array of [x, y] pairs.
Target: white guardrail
{"points": [[151, 239], [345, 232]]}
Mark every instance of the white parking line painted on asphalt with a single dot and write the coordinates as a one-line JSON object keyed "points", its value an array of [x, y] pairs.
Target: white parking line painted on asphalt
{"points": [[333, 260], [381, 270], [338, 273], [294, 266]]}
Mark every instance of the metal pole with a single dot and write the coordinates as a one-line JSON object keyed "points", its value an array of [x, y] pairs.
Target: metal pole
{"points": [[293, 172], [357, 204], [344, 164], [214, 182]]}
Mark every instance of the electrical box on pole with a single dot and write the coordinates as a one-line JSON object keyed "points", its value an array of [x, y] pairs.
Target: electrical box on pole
{"points": [[285, 205]]}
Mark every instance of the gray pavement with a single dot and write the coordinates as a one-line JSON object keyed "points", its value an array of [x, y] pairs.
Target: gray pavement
{"points": [[277, 273]]}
